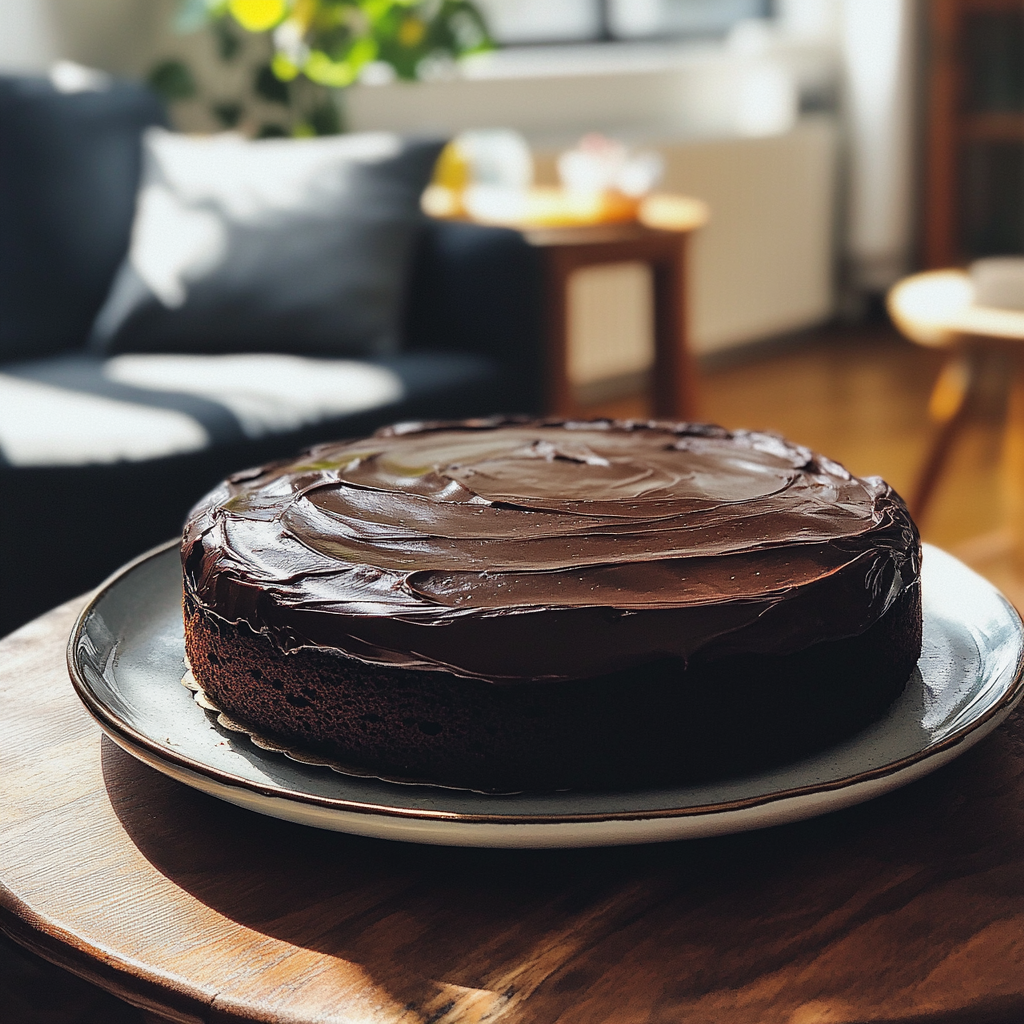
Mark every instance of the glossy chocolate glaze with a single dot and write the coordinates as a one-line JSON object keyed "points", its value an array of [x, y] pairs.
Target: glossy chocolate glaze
{"points": [[513, 551]]}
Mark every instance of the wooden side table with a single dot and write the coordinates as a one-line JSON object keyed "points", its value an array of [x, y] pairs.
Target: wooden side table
{"points": [[566, 250], [658, 237], [909, 909]]}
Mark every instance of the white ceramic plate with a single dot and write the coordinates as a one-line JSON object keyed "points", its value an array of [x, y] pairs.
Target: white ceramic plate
{"points": [[126, 658]]}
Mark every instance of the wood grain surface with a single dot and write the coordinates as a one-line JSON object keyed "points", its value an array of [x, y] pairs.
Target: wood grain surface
{"points": [[910, 908]]}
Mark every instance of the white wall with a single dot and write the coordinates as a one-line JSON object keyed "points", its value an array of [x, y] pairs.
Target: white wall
{"points": [[878, 45], [558, 93], [27, 40], [114, 35]]}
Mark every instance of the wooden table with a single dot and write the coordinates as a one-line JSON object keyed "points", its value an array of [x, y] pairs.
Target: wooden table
{"points": [[910, 908]]}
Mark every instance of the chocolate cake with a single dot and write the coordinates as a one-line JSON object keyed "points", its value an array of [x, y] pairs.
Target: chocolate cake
{"points": [[505, 605]]}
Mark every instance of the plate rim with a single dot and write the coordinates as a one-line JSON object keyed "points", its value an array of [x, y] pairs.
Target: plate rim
{"points": [[117, 727]]}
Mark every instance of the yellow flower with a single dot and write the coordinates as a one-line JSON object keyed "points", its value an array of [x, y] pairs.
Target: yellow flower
{"points": [[303, 12], [257, 15], [411, 32]]}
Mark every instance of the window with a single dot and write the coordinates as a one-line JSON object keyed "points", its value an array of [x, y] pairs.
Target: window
{"points": [[524, 22]]}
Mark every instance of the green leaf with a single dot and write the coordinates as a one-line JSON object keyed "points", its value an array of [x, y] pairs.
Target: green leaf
{"points": [[272, 131], [343, 36], [340, 68], [468, 29], [324, 118], [283, 68], [228, 113], [363, 51], [270, 87], [228, 43], [172, 80], [324, 71]]}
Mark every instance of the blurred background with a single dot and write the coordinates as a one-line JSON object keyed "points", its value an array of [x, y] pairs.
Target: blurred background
{"points": [[839, 145]]}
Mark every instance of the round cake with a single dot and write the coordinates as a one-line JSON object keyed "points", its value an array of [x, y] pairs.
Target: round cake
{"points": [[506, 605]]}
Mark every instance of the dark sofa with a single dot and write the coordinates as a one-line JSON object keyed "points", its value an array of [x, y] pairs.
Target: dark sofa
{"points": [[69, 167]]}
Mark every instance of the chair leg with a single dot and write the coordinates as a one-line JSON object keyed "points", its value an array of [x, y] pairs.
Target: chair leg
{"points": [[1013, 462], [947, 407]]}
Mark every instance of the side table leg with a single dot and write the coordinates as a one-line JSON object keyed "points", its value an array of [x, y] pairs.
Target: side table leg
{"points": [[947, 408], [675, 384]]}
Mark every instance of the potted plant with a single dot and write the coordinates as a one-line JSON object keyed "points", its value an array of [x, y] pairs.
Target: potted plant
{"points": [[308, 50]]}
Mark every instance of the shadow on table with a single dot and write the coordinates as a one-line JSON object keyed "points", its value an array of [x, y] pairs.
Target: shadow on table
{"points": [[844, 904], [33, 991]]}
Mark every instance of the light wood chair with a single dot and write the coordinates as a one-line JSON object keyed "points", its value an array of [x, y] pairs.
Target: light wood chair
{"points": [[941, 309]]}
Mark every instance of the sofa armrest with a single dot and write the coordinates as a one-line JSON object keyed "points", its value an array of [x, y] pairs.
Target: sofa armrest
{"points": [[479, 289]]}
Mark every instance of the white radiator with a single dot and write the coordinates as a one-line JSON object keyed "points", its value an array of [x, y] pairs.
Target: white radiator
{"points": [[762, 267]]}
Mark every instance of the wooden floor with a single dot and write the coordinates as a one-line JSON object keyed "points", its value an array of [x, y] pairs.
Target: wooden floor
{"points": [[860, 396]]}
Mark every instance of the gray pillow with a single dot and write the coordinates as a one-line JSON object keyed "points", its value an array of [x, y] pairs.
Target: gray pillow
{"points": [[287, 245]]}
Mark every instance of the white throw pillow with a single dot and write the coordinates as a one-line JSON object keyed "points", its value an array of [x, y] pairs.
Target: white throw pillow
{"points": [[286, 245]]}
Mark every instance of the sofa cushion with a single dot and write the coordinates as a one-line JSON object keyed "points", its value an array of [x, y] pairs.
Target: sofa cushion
{"points": [[69, 167], [299, 245], [81, 501], [78, 410]]}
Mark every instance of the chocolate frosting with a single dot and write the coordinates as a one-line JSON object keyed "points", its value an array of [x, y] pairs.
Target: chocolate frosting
{"points": [[516, 551]]}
